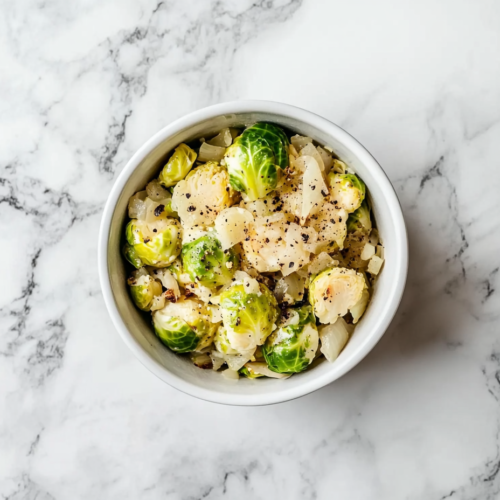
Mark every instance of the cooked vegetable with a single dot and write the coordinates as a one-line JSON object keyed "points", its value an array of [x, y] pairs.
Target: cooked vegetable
{"points": [[249, 313], [334, 291], [360, 220], [143, 288], [202, 195], [185, 325], [292, 347], [333, 338], [346, 190], [156, 244], [178, 166], [254, 159], [207, 263], [263, 222]]}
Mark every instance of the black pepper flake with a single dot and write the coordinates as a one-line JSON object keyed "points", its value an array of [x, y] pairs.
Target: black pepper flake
{"points": [[188, 196], [191, 208], [267, 240], [305, 237], [340, 219], [324, 193], [291, 264], [227, 189], [313, 188], [155, 230], [147, 240], [159, 210]]}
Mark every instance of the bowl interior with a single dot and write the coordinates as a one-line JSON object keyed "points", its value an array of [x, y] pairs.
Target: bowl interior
{"points": [[177, 370]]}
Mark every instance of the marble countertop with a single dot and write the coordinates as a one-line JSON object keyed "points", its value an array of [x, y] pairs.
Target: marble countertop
{"points": [[84, 84]]}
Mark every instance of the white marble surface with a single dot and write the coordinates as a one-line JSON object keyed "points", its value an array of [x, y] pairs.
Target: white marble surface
{"points": [[84, 83]]}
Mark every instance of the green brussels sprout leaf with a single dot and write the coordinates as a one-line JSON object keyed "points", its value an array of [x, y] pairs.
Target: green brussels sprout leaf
{"points": [[178, 165]]}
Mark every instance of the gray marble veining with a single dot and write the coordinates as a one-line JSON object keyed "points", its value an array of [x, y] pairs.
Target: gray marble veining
{"points": [[84, 84]]}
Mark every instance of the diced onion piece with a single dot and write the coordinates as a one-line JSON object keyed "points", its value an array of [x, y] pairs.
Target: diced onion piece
{"points": [[292, 151], [136, 206], [158, 302], [263, 369], [232, 225], [217, 360], [375, 265], [295, 287], [380, 251], [321, 262], [310, 150], [257, 208], [334, 338], [359, 308], [230, 374], [374, 237], [156, 191], [210, 153], [314, 188], [223, 139], [239, 360], [326, 157], [202, 292], [299, 141], [167, 280], [368, 251], [234, 132]]}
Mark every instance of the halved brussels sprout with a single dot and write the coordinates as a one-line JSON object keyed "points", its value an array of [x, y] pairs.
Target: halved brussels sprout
{"points": [[203, 194], [206, 262], [143, 289], [292, 347], [334, 291], [254, 159], [178, 165], [360, 220], [156, 244], [184, 326], [249, 313], [347, 191]]}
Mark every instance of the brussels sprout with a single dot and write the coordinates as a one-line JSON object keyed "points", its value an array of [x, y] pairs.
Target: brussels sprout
{"points": [[143, 288], [247, 372], [203, 194], [292, 347], [334, 291], [185, 325], [254, 159], [178, 165], [156, 244], [249, 312], [206, 262], [360, 220], [222, 342], [346, 190]]}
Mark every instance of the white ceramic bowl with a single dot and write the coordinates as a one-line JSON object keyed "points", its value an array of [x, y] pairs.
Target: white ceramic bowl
{"points": [[137, 332]]}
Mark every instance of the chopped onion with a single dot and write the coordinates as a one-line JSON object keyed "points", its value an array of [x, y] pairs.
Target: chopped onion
{"points": [[358, 309], [167, 280], [292, 151], [374, 237], [232, 225], [339, 166], [210, 153], [136, 206], [326, 157], [333, 338], [375, 265], [158, 302], [157, 192], [368, 251], [263, 369], [310, 150], [251, 284], [314, 188], [321, 262], [191, 234], [299, 141], [217, 360], [223, 139], [380, 251]]}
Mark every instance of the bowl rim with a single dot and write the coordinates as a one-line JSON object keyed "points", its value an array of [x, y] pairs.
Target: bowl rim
{"points": [[287, 110]]}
